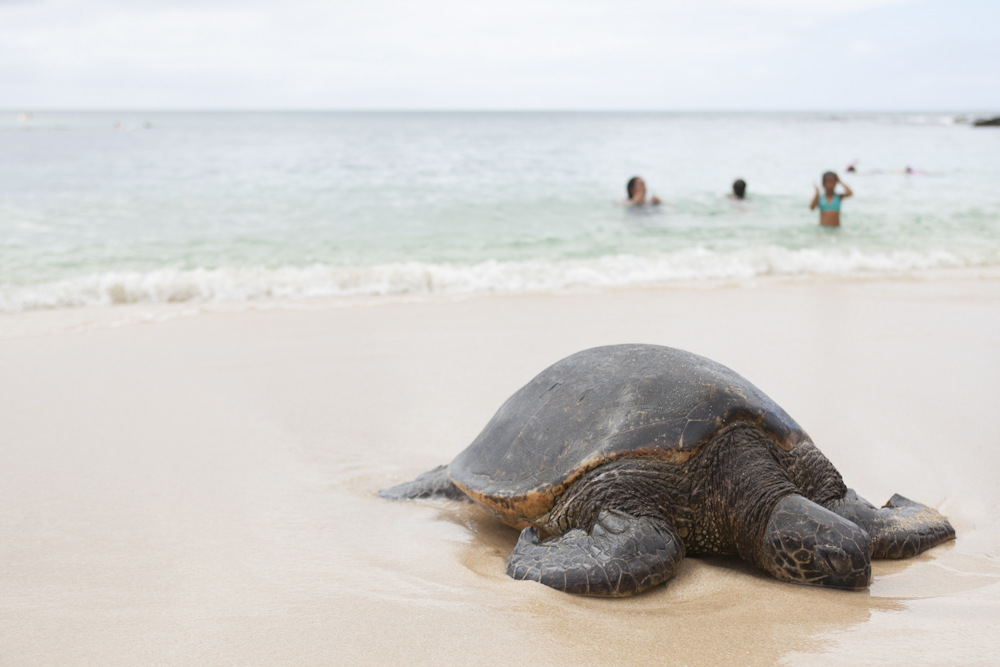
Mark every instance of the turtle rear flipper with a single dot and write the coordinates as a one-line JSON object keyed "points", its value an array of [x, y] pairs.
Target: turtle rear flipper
{"points": [[901, 529], [621, 555], [432, 484]]}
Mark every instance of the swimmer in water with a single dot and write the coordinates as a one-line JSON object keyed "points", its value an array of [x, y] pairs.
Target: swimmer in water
{"points": [[636, 189], [829, 201], [739, 189]]}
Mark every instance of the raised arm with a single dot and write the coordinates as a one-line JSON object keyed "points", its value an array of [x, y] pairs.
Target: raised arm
{"points": [[815, 201], [847, 191]]}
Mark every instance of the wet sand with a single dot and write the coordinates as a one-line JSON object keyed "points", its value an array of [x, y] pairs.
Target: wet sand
{"points": [[202, 490]]}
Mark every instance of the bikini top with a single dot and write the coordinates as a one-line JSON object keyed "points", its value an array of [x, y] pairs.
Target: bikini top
{"points": [[832, 205]]}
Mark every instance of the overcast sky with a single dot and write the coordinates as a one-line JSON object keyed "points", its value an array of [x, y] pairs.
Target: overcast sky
{"points": [[508, 54]]}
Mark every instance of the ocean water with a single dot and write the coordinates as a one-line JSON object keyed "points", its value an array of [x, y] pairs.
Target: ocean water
{"points": [[108, 208]]}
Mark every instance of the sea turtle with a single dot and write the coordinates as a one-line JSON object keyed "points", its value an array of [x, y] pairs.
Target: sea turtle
{"points": [[628, 457]]}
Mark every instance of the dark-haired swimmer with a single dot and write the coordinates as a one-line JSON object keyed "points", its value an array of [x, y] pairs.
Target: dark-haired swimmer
{"points": [[829, 201], [636, 189], [739, 189]]}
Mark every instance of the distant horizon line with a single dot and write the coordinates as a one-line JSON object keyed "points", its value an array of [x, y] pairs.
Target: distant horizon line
{"points": [[34, 110]]}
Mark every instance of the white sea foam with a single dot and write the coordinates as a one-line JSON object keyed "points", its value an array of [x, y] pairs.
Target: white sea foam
{"points": [[490, 277]]}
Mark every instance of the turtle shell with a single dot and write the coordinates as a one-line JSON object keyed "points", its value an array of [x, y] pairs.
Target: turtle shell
{"points": [[620, 401]]}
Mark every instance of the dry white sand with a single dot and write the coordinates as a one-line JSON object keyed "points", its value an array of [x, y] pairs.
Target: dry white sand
{"points": [[201, 491]]}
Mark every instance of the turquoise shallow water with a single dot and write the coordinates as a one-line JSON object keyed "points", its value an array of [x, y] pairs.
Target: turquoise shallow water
{"points": [[104, 208]]}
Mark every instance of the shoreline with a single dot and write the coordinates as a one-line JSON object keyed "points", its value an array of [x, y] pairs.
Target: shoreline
{"points": [[55, 321]]}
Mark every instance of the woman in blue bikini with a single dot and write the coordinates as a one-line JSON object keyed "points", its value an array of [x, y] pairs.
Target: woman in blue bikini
{"points": [[829, 201]]}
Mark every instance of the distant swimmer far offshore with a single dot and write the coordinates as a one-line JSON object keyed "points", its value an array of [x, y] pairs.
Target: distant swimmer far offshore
{"points": [[636, 188], [829, 200], [739, 189]]}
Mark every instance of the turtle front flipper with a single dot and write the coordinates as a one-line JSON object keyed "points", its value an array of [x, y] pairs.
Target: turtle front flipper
{"points": [[621, 555], [901, 529]]}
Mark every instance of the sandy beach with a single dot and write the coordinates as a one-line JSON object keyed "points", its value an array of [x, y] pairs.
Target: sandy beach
{"points": [[201, 490]]}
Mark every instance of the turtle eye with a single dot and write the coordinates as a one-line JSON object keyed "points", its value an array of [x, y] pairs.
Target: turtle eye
{"points": [[832, 560]]}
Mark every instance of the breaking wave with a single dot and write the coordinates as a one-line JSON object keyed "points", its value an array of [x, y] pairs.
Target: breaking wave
{"points": [[230, 284]]}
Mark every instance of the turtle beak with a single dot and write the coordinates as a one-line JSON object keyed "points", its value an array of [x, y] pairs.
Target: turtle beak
{"points": [[840, 569]]}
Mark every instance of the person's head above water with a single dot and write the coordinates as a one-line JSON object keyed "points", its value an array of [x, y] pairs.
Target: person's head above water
{"points": [[636, 189], [830, 181], [739, 188]]}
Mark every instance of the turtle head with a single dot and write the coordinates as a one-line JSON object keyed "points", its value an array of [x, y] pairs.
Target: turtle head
{"points": [[807, 544]]}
